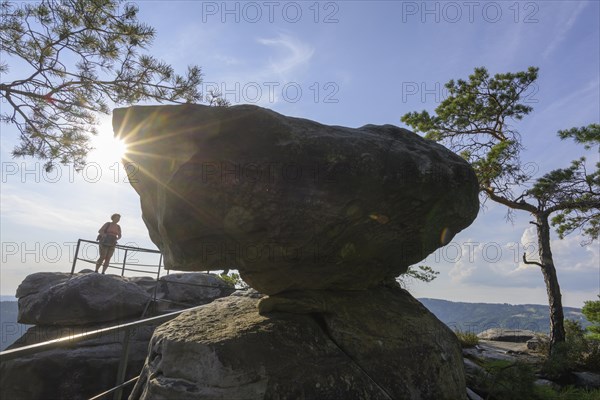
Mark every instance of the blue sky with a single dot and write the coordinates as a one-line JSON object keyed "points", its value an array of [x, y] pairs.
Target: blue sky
{"points": [[345, 63]]}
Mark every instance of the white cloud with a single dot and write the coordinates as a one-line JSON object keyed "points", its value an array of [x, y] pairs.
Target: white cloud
{"points": [[565, 26], [297, 53], [494, 264], [40, 213], [227, 60], [588, 93], [71, 217]]}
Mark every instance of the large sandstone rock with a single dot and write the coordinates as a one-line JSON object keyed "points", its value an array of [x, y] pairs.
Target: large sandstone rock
{"points": [[192, 289], [64, 304], [293, 204], [74, 373], [376, 344], [62, 299], [79, 299], [40, 282]]}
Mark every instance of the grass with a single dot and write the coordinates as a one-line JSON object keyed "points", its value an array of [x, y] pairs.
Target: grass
{"points": [[466, 339], [569, 393]]}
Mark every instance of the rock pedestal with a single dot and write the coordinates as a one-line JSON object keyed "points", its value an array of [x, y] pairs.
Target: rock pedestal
{"points": [[373, 344]]}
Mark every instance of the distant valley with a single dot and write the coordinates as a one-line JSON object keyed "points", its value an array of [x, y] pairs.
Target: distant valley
{"points": [[473, 317], [477, 317]]}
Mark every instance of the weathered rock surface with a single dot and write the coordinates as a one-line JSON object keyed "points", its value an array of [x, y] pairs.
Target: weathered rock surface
{"points": [[79, 299], [376, 344], [192, 289], [471, 395], [71, 373], [62, 299], [293, 204], [507, 335], [588, 380], [74, 304], [40, 282], [538, 343], [482, 382]]}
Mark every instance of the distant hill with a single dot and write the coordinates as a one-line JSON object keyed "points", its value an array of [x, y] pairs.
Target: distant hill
{"points": [[477, 317], [10, 330]]}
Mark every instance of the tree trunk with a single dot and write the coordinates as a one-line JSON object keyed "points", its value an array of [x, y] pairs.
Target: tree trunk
{"points": [[557, 328]]}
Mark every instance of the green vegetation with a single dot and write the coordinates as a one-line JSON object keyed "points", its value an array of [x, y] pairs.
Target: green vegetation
{"points": [[591, 310], [234, 280], [475, 121], [505, 380], [70, 59], [568, 393], [577, 353], [420, 273], [466, 339]]}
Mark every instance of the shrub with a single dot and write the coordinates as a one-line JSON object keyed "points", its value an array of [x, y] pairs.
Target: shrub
{"points": [[578, 352], [591, 310], [568, 393], [466, 339], [506, 380], [234, 280]]}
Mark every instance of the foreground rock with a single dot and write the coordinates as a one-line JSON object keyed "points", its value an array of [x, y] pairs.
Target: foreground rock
{"points": [[65, 304], [344, 351], [488, 353], [587, 380], [286, 200], [61, 299], [76, 373], [79, 299]]}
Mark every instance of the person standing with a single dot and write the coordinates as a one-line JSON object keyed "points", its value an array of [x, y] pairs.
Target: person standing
{"points": [[107, 238]]}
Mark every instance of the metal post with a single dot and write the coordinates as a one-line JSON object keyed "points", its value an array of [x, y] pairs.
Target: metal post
{"points": [[123, 364], [75, 258], [124, 261], [159, 265], [157, 281]]}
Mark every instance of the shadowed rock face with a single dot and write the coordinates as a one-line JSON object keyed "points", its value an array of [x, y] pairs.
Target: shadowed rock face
{"points": [[291, 203], [62, 304]]}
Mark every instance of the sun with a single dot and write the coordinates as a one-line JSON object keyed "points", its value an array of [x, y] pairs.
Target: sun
{"points": [[120, 148], [106, 149]]}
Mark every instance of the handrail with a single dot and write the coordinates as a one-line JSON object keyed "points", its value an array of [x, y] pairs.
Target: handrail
{"points": [[124, 264], [122, 246], [116, 388], [73, 339]]}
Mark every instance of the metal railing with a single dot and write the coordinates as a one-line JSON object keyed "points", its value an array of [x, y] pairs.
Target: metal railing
{"points": [[127, 328], [71, 340], [123, 265]]}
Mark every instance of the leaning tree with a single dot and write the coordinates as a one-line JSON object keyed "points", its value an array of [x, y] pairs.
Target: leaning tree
{"points": [[475, 121], [64, 61]]}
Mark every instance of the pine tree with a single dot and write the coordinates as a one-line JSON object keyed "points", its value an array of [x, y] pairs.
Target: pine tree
{"points": [[73, 57], [474, 121]]}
